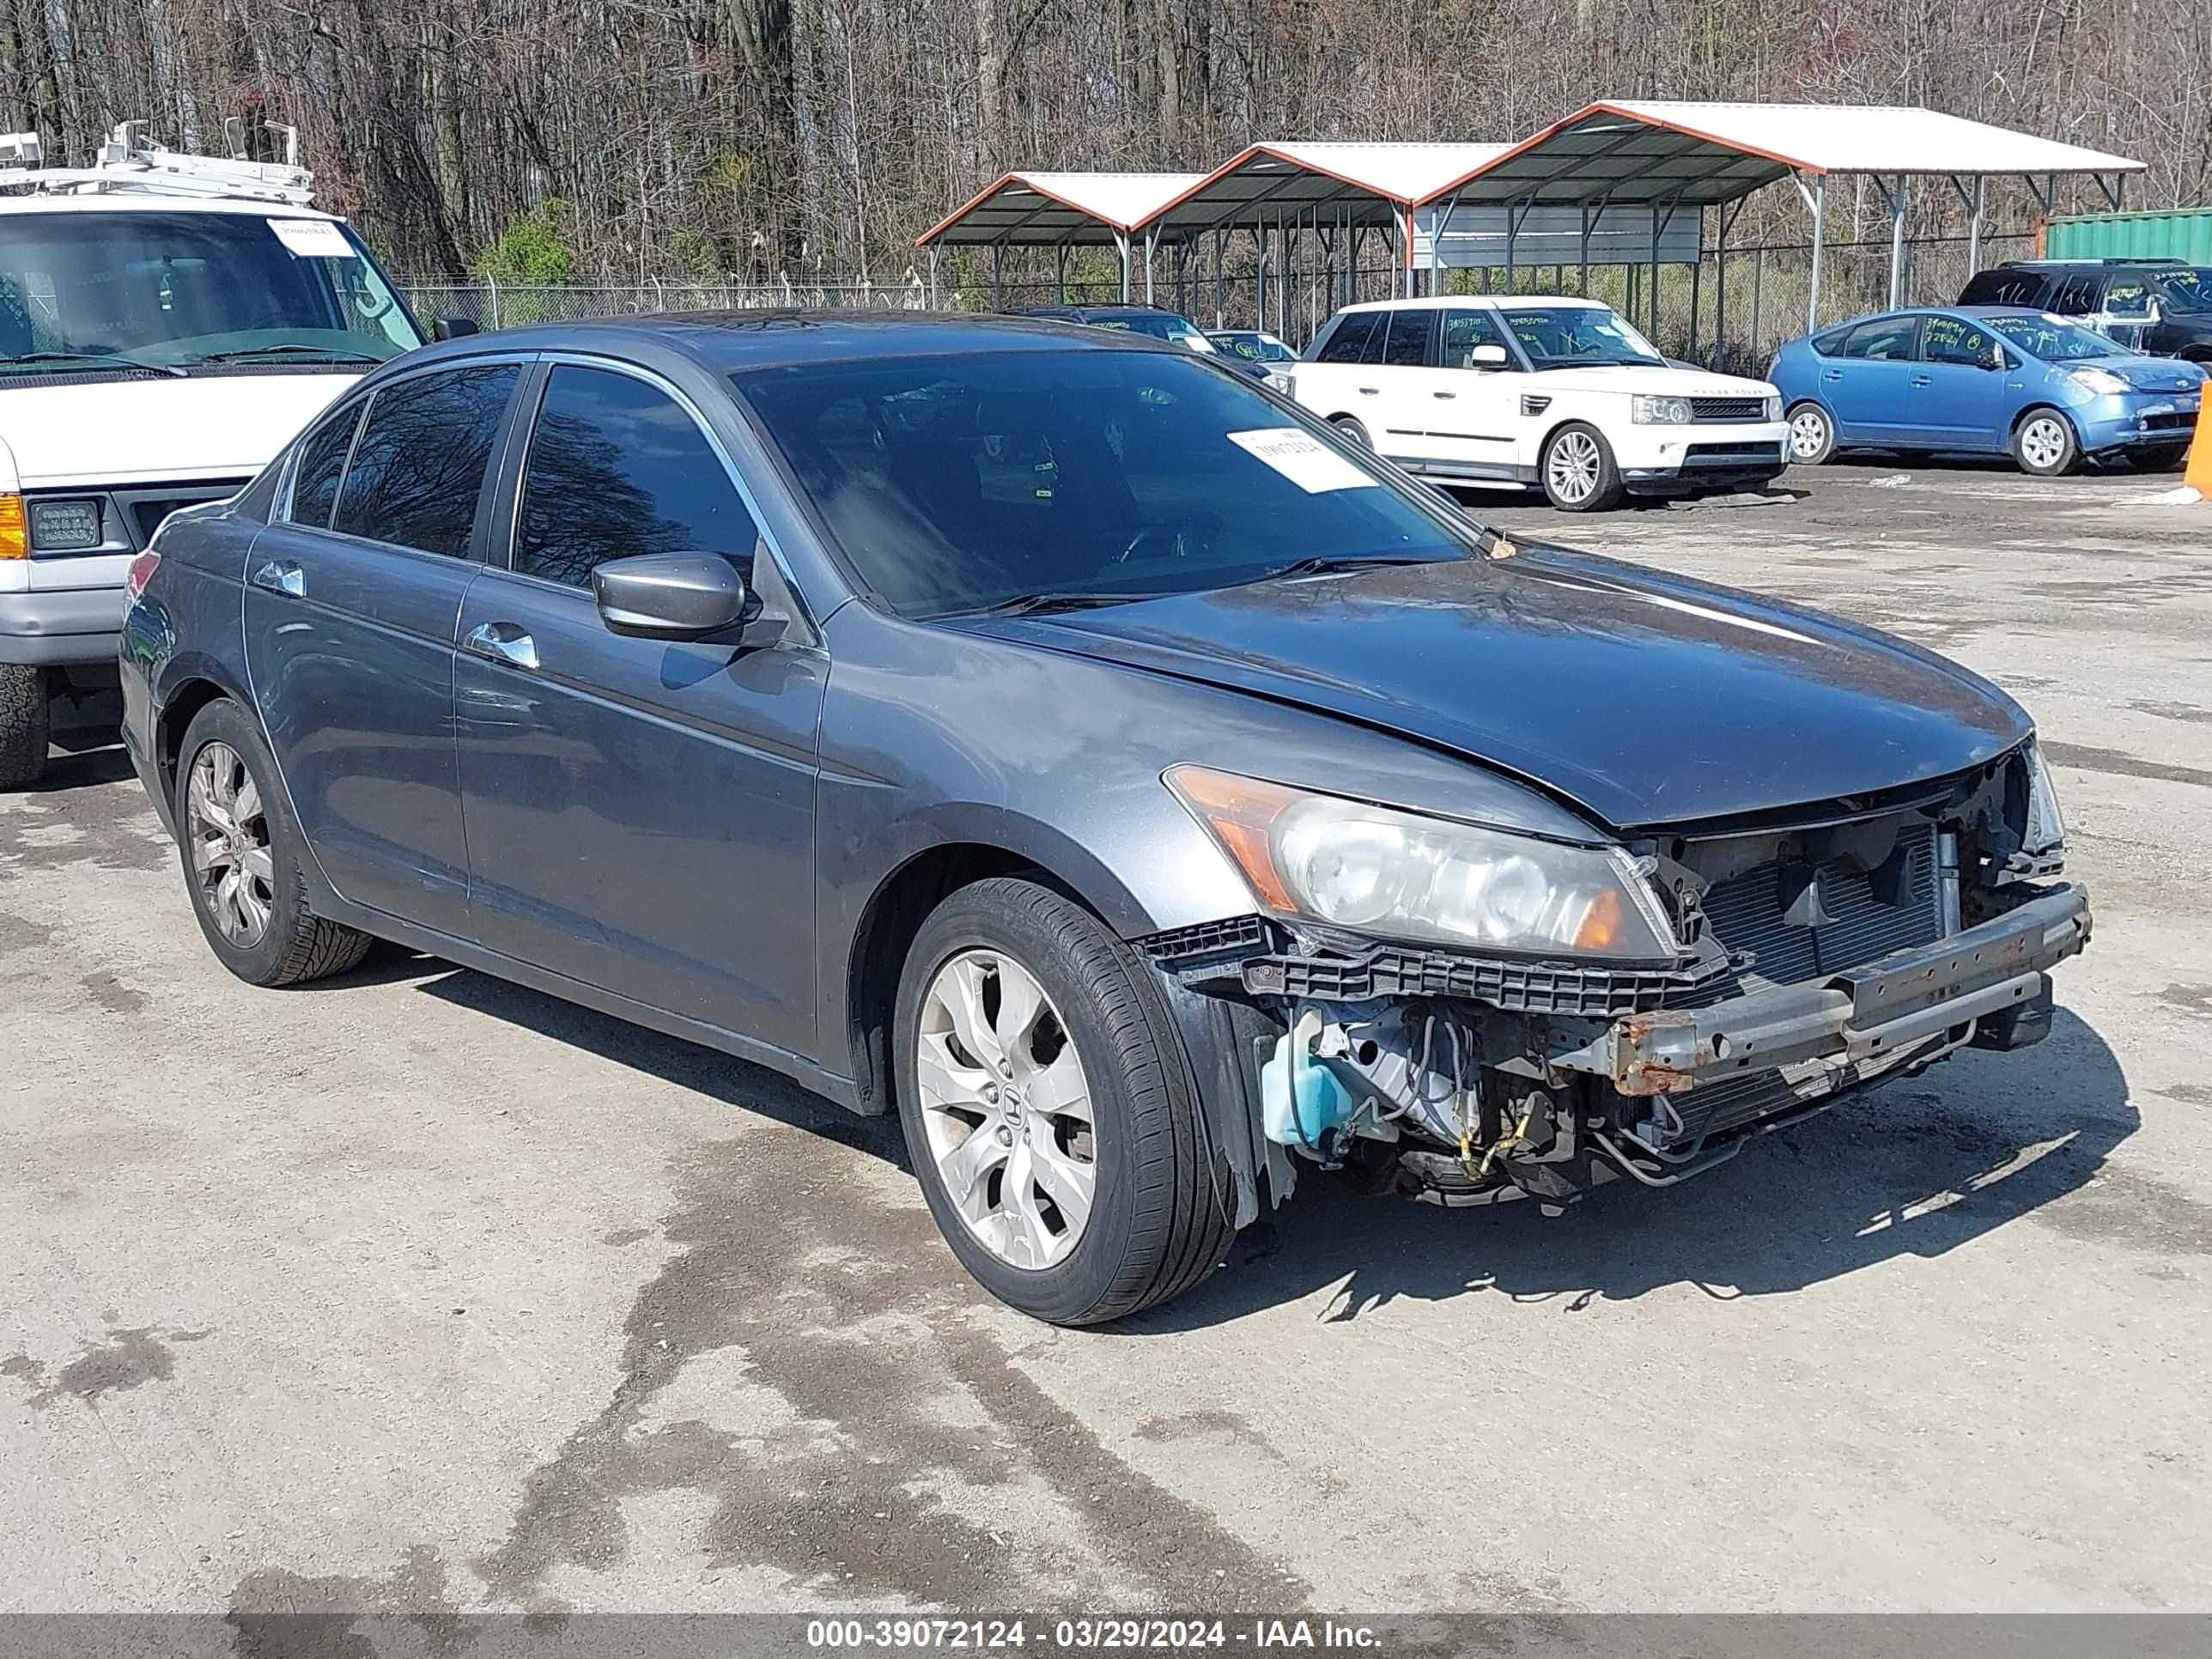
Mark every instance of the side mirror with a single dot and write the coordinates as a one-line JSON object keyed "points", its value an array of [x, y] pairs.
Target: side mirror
{"points": [[669, 596], [452, 328], [1486, 356]]}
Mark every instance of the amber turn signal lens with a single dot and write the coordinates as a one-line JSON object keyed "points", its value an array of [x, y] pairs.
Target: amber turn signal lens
{"points": [[15, 535], [1602, 924], [1241, 813]]}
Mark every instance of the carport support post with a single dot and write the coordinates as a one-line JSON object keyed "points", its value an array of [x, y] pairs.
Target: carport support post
{"points": [[1896, 200], [1974, 229], [1655, 275], [1150, 243], [998, 288], [1817, 199], [1406, 230], [1121, 246]]}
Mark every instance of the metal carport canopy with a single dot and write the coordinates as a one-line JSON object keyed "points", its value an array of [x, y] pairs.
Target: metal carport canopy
{"points": [[1045, 210], [1669, 154], [1349, 186], [1058, 210]]}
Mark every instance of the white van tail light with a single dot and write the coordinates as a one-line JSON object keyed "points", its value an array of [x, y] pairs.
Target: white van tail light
{"points": [[141, 572]]}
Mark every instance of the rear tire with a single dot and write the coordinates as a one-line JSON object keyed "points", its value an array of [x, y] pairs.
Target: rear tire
{"points": [[1811, 436], [23, 725], [236, 827], [1154, 1223], [1577, 471], [2044, 445]]}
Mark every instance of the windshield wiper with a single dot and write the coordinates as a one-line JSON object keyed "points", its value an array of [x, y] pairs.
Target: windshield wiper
{"points": [[118, 359], [1039, 605], [322, 354], [1327, 564]]}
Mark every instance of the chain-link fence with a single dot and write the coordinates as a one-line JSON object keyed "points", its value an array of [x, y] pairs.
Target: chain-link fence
{"points": [[490, 304]]}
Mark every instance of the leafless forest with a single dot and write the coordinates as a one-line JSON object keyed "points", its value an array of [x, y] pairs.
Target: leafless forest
{"points": [[555, 139]]}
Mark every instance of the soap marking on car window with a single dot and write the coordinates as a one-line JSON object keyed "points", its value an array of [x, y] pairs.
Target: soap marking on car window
{"points": [[1303, 459]]}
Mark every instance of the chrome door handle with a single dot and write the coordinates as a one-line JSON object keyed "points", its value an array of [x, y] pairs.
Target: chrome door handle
{"points": [[282, 576], [1832, 375], [1369, 391], [1920, 380], [1443, 394], [504, 643]]}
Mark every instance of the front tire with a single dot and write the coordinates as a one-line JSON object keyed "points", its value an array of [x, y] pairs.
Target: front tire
{"points": [[1048, 1111], [1579, 472], [244, 859], [23, 725], [2044, 445], [1811, 436], [1351, 429]]}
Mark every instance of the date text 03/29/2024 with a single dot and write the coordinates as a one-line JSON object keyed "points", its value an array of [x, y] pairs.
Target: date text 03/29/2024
{"points": [[1258, 1635]]}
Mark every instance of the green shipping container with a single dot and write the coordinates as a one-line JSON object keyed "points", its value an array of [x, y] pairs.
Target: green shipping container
{"points": [[2183, 235]]}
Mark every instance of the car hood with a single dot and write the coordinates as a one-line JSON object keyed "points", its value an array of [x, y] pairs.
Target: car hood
{"points": [[1654, 381], [1645, 699], [164, 431], [2147, 373]]}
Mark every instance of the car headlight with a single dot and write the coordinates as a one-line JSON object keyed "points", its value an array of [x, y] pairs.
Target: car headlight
{"points": [[1771, 408], [2046, 830], [1659, 411], [2099, 382], [1399, 875]]}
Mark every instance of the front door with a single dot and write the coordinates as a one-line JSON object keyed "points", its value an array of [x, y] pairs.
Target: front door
{"points": [[350, 601], [1471, 410], [1867, 381], [1959, 399], [640, 814]]}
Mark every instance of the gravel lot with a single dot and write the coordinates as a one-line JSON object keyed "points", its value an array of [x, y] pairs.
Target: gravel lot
{"points": [[420, 1292]]}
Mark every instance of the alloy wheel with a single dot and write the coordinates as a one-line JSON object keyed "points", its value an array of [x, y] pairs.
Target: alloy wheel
{"points": [[2042, 442], [1572, 470], [1808, 434], [1007, 1109], [228, 836]]}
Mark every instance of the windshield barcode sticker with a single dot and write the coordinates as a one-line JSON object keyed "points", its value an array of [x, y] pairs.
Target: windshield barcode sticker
{"points": [[1303, 459], [312, 238]]}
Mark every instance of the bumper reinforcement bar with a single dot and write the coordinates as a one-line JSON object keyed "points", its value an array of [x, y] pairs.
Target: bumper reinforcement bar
{"points": [[1864, 1014]]}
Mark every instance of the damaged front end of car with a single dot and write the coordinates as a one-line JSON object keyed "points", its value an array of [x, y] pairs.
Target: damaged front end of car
{"points": [[1468, 1016]]}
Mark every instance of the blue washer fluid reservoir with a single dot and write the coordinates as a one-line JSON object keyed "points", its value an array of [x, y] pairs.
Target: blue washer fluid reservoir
{"points": [[1300, 1097]]}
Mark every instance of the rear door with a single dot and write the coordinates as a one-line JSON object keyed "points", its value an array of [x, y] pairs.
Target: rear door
{"points": [[1397, 385], [1960, 398], [1330, 382], [640, 813], [1868, 382], [351, 597]]}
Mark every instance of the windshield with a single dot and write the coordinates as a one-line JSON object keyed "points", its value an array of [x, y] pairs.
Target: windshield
{"points": [[1255, 347], [955, 483], [1578, 336], [2055, 340], [176, 289], [2185, 287], [1160, 325]]}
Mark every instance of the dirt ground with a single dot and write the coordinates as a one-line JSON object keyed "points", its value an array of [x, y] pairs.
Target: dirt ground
{"points": [[416, 1292]]}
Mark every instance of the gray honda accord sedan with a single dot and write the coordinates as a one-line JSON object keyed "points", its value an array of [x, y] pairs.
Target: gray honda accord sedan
{"points": [[1055, 737]]}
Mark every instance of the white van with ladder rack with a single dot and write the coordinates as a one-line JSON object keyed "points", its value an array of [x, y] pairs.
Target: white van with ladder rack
{"points": [[167, 321]]}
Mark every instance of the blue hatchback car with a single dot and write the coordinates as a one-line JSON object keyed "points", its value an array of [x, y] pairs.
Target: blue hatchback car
{"points": [[1985, 380]]}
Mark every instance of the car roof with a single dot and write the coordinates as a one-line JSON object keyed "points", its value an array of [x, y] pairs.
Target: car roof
{"points": [[1485, 301], [125, 201], [728, 341]]}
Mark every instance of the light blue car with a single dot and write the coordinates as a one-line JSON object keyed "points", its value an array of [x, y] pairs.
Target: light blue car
{"points": [[1985, 379]]}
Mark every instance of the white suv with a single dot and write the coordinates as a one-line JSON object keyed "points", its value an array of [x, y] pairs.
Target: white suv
{"points": [[1559, 392], [167, 322]]}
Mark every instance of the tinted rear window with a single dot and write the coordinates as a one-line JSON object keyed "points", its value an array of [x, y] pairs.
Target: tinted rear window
{"points": [[2005, 288], [322, 459], [421, 462], [1348, 341]]}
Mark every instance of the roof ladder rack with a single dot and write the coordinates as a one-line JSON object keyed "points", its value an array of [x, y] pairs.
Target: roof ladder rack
{"points": [[127, 166]]}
